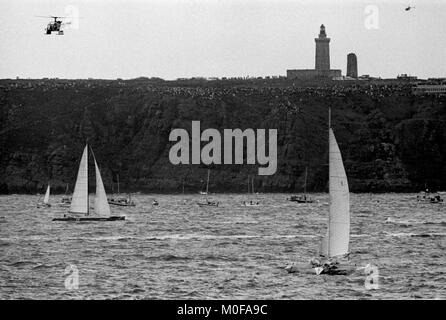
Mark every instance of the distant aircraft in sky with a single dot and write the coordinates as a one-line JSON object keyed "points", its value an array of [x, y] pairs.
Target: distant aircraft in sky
{"points": [[57, 24], [54, 26], [409, 7]]}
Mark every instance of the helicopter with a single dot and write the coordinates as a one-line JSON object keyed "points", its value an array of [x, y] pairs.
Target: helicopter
{"points": [[409, 7], [56, 25]]}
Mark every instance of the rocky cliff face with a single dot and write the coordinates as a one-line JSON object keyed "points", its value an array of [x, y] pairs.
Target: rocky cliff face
{"points": [[390, 140]]}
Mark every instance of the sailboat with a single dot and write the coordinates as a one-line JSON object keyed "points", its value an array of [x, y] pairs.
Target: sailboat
{"points": [[80, 207], [121, 201], [303, 198], [335, 244], [46, 198], [207, 184], [208, 202], [251, 203]]}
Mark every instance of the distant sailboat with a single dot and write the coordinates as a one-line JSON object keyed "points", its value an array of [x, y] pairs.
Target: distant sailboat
{"points": [[80, 208], [121, 201], [46, 198], [66, 200], [303, 198], [251, 203], [207, 184], [208, 203], [335, 245]]}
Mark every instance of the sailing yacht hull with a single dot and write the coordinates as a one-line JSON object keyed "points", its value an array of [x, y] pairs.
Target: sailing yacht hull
{"points": [[304, 268], [76, 219]]}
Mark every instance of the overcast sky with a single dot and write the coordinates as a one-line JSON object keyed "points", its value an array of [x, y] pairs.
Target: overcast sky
{"points": [[174, 38]]}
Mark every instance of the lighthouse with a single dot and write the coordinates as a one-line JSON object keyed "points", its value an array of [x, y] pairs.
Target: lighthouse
{"points": [[322, 69], [322, 50]]}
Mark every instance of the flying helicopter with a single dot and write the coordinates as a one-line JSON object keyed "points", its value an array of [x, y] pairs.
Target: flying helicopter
{"points": [[56, 25], [409, 7]]}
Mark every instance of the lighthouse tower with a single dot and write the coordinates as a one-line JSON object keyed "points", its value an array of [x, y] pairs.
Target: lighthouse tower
{"points": [[322, 50]]}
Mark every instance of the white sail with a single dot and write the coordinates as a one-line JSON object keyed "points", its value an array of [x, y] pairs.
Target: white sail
{"points": [[101, 206], [47, 195], [336, 241], [79, 202]]}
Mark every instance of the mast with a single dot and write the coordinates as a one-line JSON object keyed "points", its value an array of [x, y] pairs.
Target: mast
{"points": [[207, 183], [252, 185], [329, 191], [249, 190], [305, 184], [183, 185], [88, 195], [118, 182]]}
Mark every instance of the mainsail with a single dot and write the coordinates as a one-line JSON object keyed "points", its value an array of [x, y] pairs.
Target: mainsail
{"points": [[336, 242], [79, 202], [47, 195], [101, 206]]}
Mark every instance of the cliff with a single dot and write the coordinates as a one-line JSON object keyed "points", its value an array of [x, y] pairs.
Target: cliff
{"points": [[391, 140]]}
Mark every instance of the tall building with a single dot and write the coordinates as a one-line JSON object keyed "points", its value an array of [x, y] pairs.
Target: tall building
{"points": [[352, 65], [322, 50], [322, 70]]}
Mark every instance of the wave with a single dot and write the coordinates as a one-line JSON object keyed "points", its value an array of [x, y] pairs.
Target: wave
{"points": [[441, 223], [48, 266], [413, 222], [21, 263], [168, 257], [401, 222], [164, 237], [416, 235]]}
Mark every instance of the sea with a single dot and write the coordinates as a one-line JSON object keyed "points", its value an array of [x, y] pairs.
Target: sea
{"points": [[178, 250]]}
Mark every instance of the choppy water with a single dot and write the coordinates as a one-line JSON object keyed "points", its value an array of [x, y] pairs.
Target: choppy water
{"points": [[181, 251]]}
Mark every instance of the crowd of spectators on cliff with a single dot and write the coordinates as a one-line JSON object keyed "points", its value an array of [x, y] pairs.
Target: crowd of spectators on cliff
{"points": [[222, 90]]}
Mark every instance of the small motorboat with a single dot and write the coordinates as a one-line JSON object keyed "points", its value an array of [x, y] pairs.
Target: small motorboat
{"points": [[208, 204], [301, 199], [155, 203], [251, 203], [427, 197], [65, 200], [123, 202]]}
